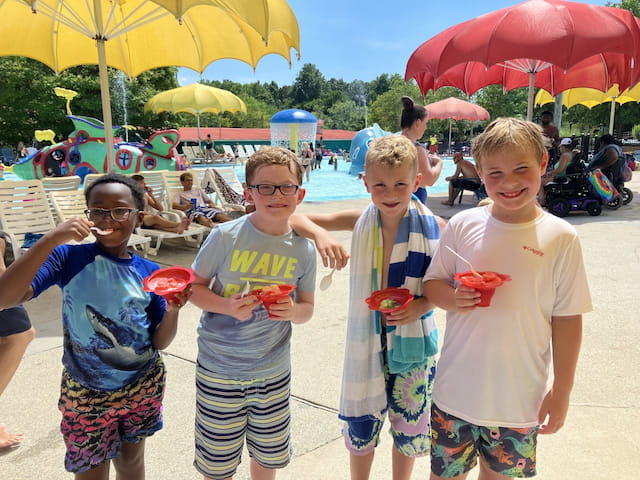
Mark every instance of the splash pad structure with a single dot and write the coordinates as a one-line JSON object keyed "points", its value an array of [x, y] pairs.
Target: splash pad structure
{"points": [[290, 128]]}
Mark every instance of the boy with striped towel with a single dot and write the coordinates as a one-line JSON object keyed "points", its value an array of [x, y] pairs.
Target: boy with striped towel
{"points": [[389, 358]]}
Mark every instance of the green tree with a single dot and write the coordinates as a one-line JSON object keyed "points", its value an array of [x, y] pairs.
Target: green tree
{"points": [[503, 104], [632, 5], [385, 110], [345, 115], [308, 86]]}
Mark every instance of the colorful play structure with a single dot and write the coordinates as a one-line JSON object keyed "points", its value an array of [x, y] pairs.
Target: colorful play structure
{"points": [[360, 147], [85, 152], [290, 128]]}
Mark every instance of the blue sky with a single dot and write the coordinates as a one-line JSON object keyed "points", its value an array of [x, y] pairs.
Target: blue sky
{"points": [[354, 39]]}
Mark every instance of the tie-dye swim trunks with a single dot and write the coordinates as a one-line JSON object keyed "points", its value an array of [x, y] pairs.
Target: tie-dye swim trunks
{"points": [[409, 401]]}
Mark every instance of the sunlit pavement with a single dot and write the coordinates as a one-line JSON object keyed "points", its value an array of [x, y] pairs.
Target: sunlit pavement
{"points": [[597, 442]]}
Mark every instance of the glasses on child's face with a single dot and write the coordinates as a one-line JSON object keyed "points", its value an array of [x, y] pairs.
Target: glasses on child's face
{"points": [[269, 189], [119, 214]]}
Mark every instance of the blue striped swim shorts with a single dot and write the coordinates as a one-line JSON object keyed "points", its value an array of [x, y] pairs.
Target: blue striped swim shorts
{"points": [[229, 411]]}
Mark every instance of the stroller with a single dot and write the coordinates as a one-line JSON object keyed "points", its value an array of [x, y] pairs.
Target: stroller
{"points": [[573, 191]]}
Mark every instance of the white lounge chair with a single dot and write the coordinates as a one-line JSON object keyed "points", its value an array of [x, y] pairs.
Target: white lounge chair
{"points": [[242, 153], [249, 150], [61, 183], [225, 197], [89, 178], [52, 184], [193, 235], [71, 203], [190, 154], [229, 175], [228, 150], [24, 209]]}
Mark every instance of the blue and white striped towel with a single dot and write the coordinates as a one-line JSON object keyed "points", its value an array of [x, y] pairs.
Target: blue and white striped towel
{"points": [[408, 346]]}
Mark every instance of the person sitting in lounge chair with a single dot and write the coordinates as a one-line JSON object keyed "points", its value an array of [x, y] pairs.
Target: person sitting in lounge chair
{"points": [[151, 220], [196, 204], [465, 177]]}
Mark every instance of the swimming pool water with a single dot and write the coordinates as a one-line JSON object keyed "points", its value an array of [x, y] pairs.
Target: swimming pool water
{"points": [[328, 184]]}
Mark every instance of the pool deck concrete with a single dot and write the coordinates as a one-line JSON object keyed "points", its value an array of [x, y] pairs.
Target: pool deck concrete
{"points": [[599, 440]]}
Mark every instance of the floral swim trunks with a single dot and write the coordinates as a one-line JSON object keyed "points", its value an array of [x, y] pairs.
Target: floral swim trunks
{"points": [[456, 444], [409, 400], [95, 423]]}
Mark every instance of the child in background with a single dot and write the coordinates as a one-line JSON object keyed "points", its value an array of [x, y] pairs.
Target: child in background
{"points": [[389, 358], [203, 211], [16, 333], [113, 377], [151, 220], [243, 369], [490, 396]]}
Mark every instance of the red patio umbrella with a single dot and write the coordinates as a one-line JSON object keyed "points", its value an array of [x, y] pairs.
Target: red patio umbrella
{"points": [[528, 38], [453, 108], [599, 72]]}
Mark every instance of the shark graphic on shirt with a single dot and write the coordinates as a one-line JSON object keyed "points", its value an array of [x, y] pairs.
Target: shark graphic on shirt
{"points": [[122, 357]]}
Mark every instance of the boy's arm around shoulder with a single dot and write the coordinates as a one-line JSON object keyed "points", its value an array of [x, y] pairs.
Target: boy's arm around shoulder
{"points": [[566, 337], [15, 283], [316, 227]]}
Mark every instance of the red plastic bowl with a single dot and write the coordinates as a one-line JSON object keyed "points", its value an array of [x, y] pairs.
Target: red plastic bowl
{"points": [[486, 284], [272, 293], [167, 282], [402, 296]]}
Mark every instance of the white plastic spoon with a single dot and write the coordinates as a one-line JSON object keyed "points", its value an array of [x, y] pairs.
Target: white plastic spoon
{"points": [[99, 231], [464, 260], [325, 282], [246, 289]]}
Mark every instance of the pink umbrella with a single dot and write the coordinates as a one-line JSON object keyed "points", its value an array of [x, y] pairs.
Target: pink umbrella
{"points": [[455, 109], [529, 37]]}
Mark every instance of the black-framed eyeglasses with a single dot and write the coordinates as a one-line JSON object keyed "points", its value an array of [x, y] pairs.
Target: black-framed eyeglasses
{"points": [[119, 214], [269, 189]]}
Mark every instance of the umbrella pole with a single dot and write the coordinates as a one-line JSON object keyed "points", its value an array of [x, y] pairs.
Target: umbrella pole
{"points": [[104, 91], [198, 120], [532, 80], [450, 149], [612, 115]]}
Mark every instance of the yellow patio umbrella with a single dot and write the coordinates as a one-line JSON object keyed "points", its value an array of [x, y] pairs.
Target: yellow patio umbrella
{"points": [[590, 97], [137, 35], [195, 99]]}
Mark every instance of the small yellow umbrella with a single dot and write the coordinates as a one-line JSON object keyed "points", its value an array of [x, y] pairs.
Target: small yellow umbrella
{"points": [[137, 35], [195, 99], [590, 98]]}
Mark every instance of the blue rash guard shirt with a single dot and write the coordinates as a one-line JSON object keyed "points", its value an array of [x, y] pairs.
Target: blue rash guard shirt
{"points": [[107, 317]]}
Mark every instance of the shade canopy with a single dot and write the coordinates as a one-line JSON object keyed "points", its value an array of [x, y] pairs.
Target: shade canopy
{"points": [[137, 35], [453, 108], [456, 109], [294, 115], [528, 38], [591, 98], [195, 99]]}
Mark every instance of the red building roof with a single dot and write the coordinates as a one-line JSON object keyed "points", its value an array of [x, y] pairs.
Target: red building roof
{"points": [[251, 134]]}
